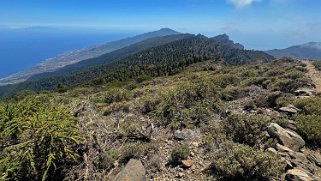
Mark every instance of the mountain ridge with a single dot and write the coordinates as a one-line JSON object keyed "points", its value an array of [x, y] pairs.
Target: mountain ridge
{"points": [[310, 50], [111, 56], [68, 58], [163, 60], [135, 48]]}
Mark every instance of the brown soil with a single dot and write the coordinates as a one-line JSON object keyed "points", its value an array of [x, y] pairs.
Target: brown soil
{"points": [[314, 74]]}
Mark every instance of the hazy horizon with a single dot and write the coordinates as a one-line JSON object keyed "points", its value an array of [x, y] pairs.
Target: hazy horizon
{"points": [[258, 24], [59, 26], [248, 41], [35, 44]]}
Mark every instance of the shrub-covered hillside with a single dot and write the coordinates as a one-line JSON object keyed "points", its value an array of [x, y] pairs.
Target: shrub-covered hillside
{"points": [[209, 121]]}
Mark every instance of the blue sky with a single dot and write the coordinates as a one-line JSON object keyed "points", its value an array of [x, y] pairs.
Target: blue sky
{"points": [[258, 24]]}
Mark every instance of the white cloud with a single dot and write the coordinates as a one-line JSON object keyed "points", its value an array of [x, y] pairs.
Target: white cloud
{"points": [[240, 4]]}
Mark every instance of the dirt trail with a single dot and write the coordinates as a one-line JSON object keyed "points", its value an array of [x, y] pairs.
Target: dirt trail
{"points": [[314, 74]]}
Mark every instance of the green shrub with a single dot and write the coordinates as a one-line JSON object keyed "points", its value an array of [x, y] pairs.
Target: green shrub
{"points": [[132, 150], [117, 95], [254, 81], [132, 126], [215, 135], [226, 79], [274, 72], [317, 65], [302, 64], [179, 153], [61, 88], [131, 86], [142, 78], [116, 107], [246, 129], [233, 93], [282, 61], [309, 126], [293, 74], [249, 73], [283, 122], [284, 101], [268, 100], [37, 138], [173, 113], [179, 106], [107, 159], [149, 104], [288, 85], [310, 105], [76, 92], [240, 162]]}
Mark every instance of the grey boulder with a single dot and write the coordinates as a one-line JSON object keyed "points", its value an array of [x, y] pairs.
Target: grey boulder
{"points": [[286, 137], [133, 171]]}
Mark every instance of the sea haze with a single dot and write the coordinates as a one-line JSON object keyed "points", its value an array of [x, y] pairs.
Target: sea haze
{"points": [[23, 48]]}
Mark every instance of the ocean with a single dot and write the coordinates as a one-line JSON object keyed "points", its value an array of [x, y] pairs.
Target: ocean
{"points": [[23, 48]]}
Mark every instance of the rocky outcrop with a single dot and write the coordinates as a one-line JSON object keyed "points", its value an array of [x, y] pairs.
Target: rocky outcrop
{"points": [[315, 159], [187, 163], [301, 167], [134, 171], [188, 134], [297, 175], [290, 109], [295, 159], [305, 92], [286, 137]]}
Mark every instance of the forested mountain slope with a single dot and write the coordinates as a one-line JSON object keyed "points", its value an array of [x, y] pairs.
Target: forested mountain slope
{"points": [[72, 57], [112, 56], [166, 59]]}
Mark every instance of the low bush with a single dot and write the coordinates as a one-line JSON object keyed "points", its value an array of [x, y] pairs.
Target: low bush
{"points": [[38, 139], [117, 95], [293, 74], [287, 85], [254, 81], [226, 80], [283, 122], [61, 88], [187, 104], [107, 159], [317, 65], [309, 126], [267, 100], [179, 153], [215, 135], [116, 107], [233, 93], [148, 104], [284, 101], [131, 127], [131, 86], [309, 105], [274, 72], [282, 61], [240, 162], [132, 150], [246, 129]]}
